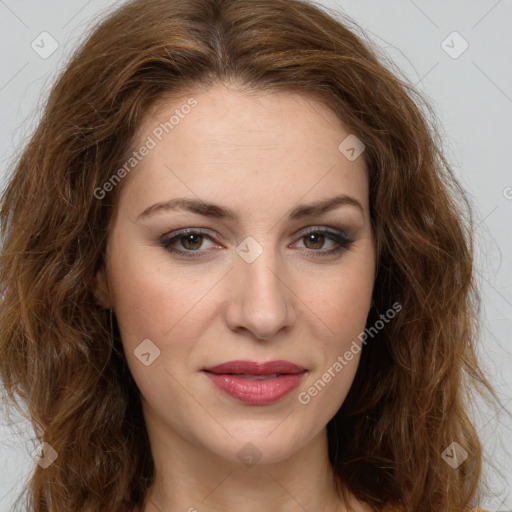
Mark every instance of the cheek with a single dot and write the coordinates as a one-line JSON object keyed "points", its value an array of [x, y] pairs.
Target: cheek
{"points": [[151, 313], [144, 305], [342, 302], [343, 307], [161, 302], [150, 295], [149, 302], [342, 299]]}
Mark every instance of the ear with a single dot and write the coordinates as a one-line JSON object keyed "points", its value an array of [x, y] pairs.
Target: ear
{"points": [[101, 291]]}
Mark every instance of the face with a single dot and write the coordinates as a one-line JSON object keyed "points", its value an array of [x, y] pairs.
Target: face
{"points": [[242, 238]]}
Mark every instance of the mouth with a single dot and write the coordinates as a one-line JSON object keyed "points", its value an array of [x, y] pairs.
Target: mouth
{"points": [[254, 368], [256, 383], [254, 377]]}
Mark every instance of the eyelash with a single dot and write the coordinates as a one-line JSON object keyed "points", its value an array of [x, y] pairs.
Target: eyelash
{"points": [[336, 236]]}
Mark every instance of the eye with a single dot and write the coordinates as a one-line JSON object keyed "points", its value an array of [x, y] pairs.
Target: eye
{"points": [[192, 241], [188, 242], [323, 241], [316, 242]]}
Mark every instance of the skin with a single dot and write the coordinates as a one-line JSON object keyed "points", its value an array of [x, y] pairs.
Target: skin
{"points": [[261, 155]]}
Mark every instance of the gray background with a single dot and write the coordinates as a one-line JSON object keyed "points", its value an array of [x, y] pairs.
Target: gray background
{"points": [[471, 93]]}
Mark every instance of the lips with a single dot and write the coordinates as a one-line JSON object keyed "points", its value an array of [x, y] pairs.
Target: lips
{"points": [[255, 368], [256, 383]]}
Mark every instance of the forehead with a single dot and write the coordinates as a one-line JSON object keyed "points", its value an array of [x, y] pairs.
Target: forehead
{"points": [[229, 143]]}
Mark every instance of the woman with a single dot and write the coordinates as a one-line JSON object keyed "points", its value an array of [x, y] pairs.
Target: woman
{"points": [[237, 274]]}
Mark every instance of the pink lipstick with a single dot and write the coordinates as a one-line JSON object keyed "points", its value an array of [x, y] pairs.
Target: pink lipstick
{"points": [[256, 383]]}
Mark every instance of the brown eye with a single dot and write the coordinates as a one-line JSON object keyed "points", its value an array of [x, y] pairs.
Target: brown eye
{"points": [[192, 242], [189, 242], [314, 241], [323, 242]]}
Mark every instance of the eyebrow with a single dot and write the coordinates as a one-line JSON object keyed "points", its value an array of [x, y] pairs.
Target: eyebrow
{"points": [[212, 210]]}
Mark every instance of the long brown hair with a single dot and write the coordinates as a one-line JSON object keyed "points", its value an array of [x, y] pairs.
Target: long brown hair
{"points": [[61, 353]]}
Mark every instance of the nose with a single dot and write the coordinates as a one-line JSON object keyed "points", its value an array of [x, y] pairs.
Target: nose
{"points": [[262, 301]]}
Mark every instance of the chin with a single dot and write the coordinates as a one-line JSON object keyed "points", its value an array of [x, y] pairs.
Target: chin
{"points": [[251, 445]]}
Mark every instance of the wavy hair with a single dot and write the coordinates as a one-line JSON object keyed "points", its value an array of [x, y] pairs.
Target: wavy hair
{"points": [[60, 352]]}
